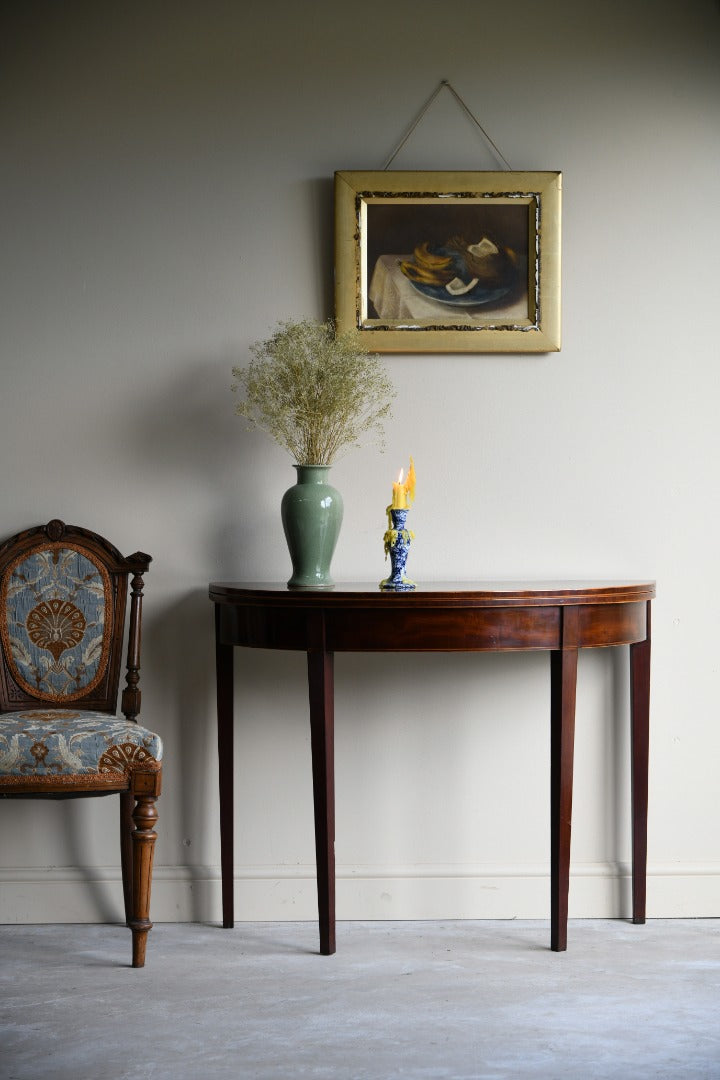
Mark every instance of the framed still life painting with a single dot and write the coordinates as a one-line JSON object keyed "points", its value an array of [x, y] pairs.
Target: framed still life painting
{"points": [[449, 261]]}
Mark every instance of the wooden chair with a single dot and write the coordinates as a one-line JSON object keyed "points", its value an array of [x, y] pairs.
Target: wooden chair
{"points": [[63, 600]]}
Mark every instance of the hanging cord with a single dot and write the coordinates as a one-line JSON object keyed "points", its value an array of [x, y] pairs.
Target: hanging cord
{"points": [[425, 108]]}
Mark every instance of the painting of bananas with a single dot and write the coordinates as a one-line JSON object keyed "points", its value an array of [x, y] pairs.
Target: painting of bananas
{"points": [[456, 261], [461, 271]]}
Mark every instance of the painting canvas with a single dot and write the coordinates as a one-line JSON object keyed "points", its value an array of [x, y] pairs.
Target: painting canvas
{"points": [[449, 262]]}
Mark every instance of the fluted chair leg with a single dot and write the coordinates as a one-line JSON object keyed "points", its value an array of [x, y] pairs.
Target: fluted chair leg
{"points": [[144, 816]]}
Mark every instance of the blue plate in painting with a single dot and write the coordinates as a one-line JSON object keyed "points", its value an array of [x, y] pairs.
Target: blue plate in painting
{"points": [[481, 294]]}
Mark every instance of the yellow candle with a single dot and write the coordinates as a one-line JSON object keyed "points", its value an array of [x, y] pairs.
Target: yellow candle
{"points": [[399, 496], [404, 493], [410, 482]]}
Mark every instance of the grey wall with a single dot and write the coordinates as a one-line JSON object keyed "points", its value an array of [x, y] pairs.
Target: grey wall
{"points": [[166, 196]]}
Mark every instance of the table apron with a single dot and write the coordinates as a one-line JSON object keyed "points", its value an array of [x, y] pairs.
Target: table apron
{"points": [[427, 629]]}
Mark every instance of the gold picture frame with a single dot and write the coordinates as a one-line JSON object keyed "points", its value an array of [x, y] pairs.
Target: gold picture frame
{"points": [[465, 262]]}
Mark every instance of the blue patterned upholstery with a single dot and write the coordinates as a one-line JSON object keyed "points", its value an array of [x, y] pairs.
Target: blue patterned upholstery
{"points": [[56, 622], [72, 743]]}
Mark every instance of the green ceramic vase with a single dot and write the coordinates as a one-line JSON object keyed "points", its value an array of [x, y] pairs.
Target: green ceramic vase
{"points": [[312, 512]]}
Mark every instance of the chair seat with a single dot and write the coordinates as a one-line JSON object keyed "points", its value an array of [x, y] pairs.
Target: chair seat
{"points": [[66, 745]]}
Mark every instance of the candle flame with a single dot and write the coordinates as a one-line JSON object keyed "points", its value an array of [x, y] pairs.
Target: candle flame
{"points": [[400, 476]]}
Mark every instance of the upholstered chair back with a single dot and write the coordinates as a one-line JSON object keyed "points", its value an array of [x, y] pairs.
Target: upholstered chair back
{"points": [[63, 594]]}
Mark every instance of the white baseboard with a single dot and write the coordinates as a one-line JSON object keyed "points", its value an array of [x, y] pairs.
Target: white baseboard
{"points": [[288, 893]]}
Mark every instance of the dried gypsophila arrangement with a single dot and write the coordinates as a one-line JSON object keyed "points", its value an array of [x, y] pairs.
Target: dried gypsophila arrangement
{"points": [[315, 391]]}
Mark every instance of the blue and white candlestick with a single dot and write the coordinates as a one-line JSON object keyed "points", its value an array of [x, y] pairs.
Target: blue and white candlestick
{"points": [[397, 545]]}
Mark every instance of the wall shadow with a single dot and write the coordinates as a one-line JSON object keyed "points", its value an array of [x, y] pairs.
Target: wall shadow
{"points": [[180, 646]]}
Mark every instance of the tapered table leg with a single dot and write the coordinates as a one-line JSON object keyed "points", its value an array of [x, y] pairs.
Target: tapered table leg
{"points": [[224, 676], [640, 723], [320, 683], [563, 682]]}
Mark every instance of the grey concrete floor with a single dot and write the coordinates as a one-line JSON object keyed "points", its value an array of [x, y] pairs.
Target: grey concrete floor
{"points": [[424, 1001]]}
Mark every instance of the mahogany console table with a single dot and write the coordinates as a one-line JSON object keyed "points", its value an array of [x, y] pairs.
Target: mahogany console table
{"points": [[560, 617]]}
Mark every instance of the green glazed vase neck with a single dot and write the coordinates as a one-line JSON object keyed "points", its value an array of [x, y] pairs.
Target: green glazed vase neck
{"points": [[312, 474]]}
